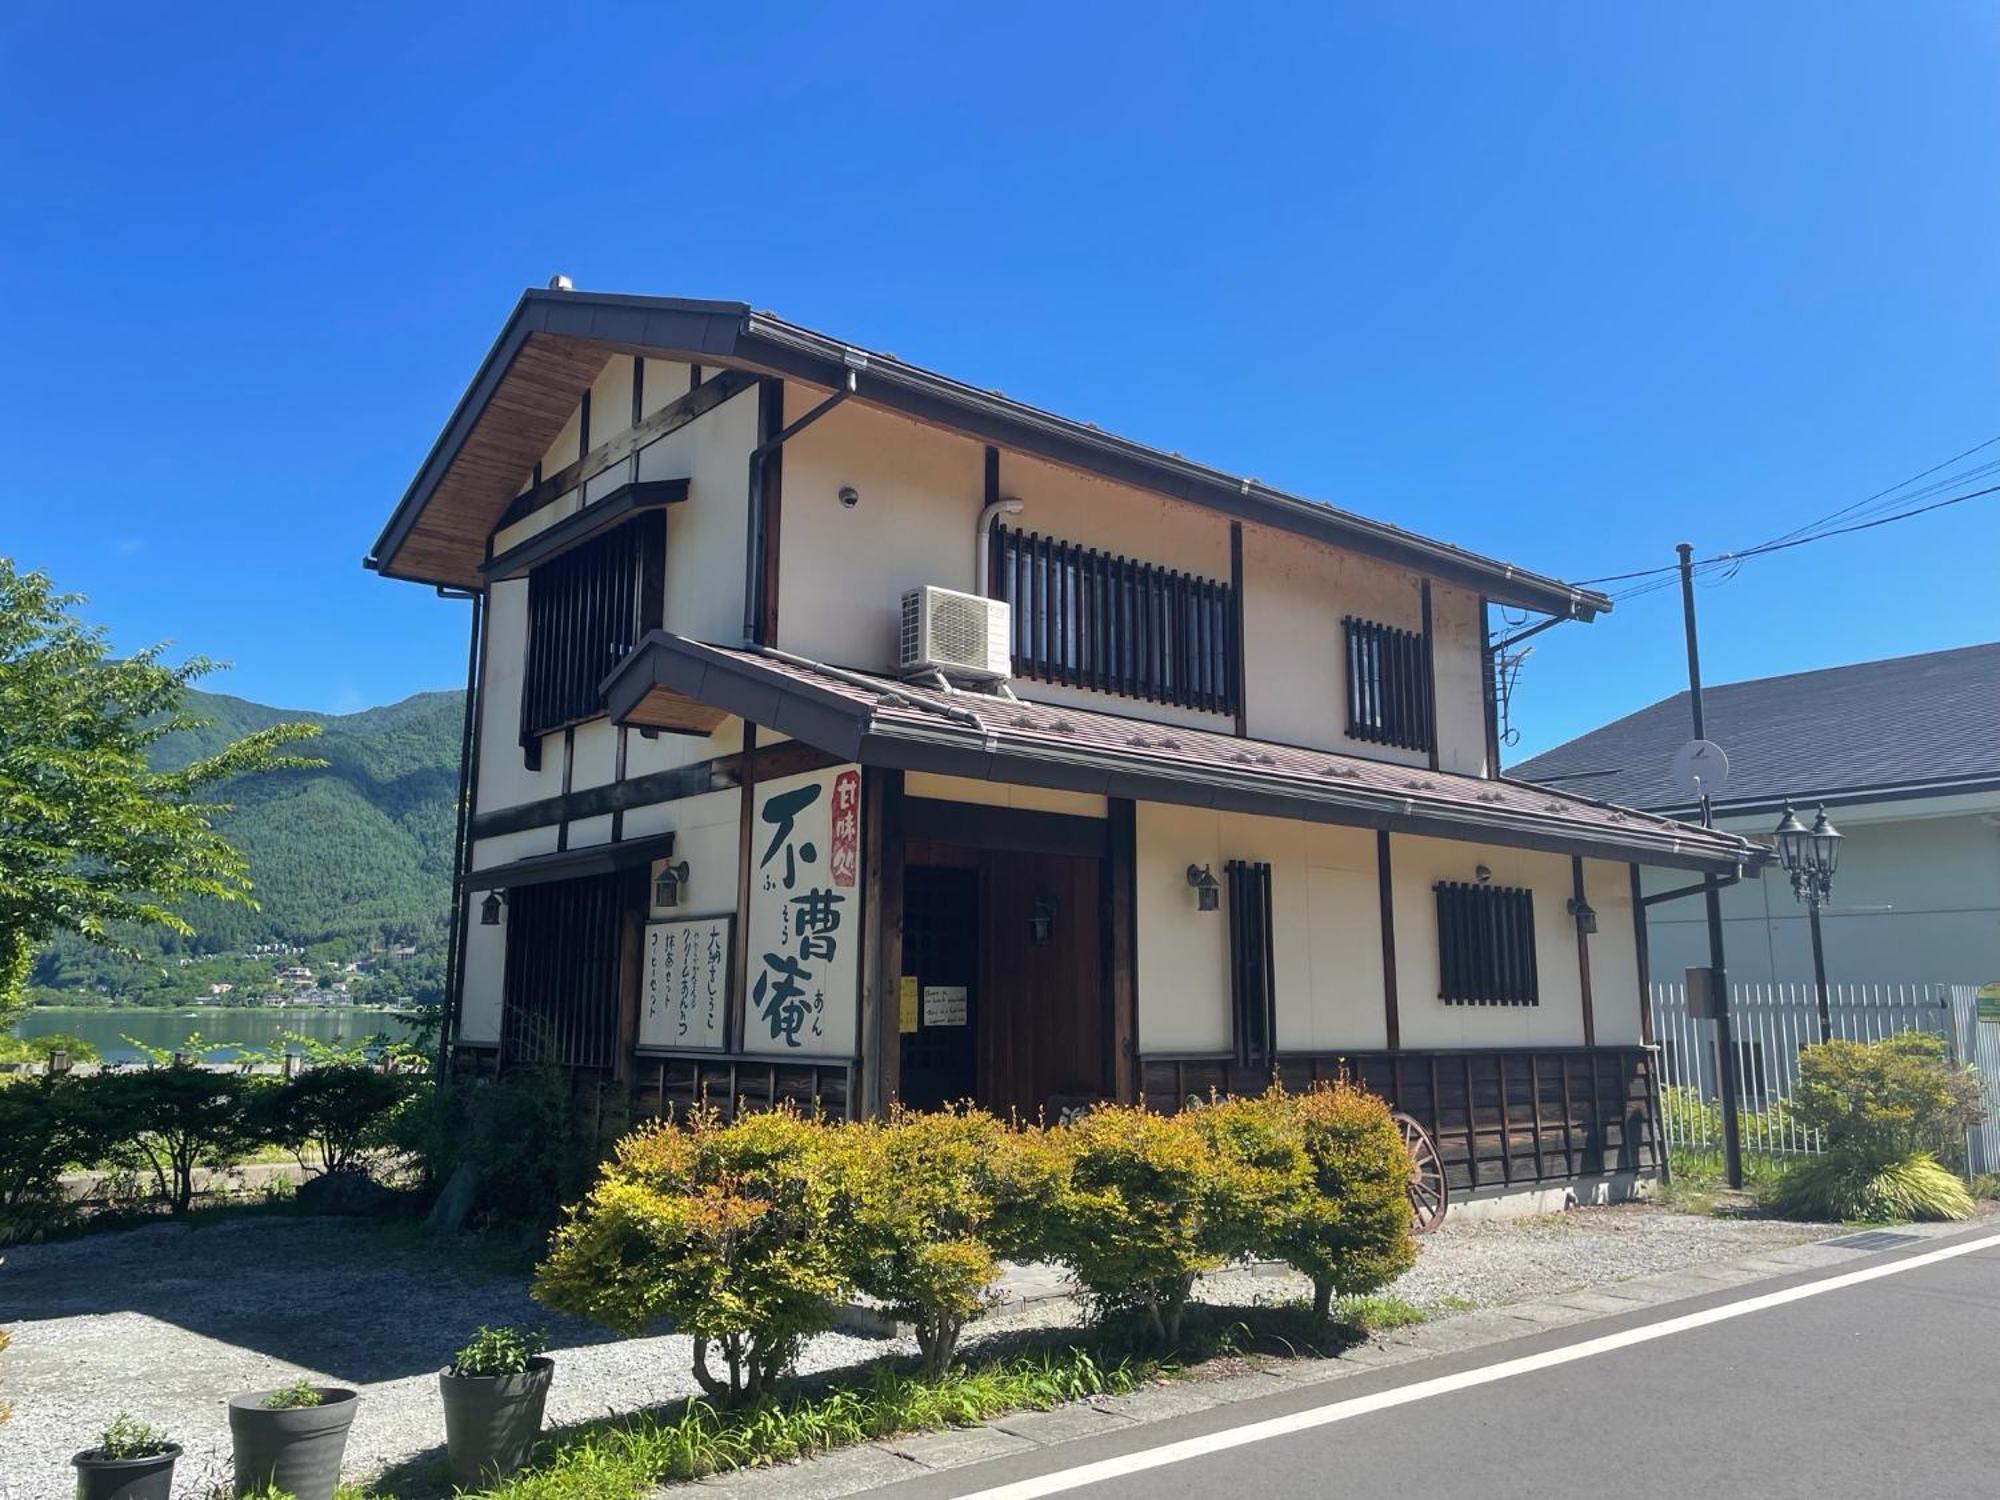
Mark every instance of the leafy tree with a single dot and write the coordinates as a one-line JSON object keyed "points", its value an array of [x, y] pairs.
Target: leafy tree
{"points": [[171, 1120], [92, 837]]}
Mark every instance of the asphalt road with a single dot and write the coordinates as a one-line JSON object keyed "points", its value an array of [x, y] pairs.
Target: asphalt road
{"points": [[1890, 1387]]}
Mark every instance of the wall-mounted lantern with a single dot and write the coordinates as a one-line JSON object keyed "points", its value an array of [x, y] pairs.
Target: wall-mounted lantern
{"points": [[1042, 919], [1585, 914], [489, 909], [1207, 893], [667, 883]]}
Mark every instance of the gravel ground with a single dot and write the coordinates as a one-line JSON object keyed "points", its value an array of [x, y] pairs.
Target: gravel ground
{"points": [[166, 1321]]}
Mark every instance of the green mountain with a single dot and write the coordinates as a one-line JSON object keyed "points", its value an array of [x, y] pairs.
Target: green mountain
{"points": [[354, 852]]}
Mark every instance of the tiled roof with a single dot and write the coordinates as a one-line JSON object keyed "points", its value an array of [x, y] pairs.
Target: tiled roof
{"points": [[890, 722], [1911, 722]]}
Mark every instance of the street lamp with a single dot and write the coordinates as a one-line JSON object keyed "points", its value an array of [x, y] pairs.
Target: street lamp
{"points": [[1810, 856]]}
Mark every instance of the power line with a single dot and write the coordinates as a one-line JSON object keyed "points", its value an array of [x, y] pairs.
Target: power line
{"points": [[1818, 530]]}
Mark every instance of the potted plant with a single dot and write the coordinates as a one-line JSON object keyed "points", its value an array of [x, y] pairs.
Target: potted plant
{"points": [[130, 1462], [291, 1439], [494, 1391]]}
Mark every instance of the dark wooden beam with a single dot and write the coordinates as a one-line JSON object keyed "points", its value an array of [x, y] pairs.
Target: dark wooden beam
{"points": [[669, 418], [1639, 944], [1430, 673], [771, 506], [1385, 896], [1121, 872], [980, 826], [883, 846], [718, 773], [580, 526], [1236, 627], [1582, 954]]}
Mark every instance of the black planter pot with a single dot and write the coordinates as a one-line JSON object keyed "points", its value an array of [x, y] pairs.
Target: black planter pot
{"points": [[125, 1478], [296, 1449], [491, 1421]]}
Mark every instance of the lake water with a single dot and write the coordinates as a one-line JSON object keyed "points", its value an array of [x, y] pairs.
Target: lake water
{"points": [[246, 1028]]}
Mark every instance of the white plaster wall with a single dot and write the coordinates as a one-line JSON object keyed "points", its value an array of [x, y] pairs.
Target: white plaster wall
{"points": [[505, 848], [705, 835], [1418, 864], [669, 752], [1614, 954], [1326, 943], [485, 976], [705, 534], [584, 832], [1000, 794], [1457, 645]]}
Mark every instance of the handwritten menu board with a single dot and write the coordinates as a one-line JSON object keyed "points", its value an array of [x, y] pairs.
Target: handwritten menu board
{"points": [[684, 991]]}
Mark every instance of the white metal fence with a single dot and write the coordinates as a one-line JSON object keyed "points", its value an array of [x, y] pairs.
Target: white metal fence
{"points": [[1772, 1023]]}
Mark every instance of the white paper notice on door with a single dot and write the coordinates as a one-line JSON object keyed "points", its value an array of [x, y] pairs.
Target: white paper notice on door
{"points": [[944, 1005]]}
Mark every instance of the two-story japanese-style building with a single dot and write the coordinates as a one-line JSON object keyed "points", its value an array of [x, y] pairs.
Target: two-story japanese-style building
{"points": [[841, 732]]}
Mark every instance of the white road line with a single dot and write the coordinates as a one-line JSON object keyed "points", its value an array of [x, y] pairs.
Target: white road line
{"points": [[1422, 1390]]}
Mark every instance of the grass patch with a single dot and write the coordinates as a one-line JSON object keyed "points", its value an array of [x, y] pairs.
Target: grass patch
{"points": [[624, 1458], [1378, 1314]]}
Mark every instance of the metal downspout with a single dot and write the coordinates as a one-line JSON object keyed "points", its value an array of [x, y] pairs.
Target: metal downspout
{"points": [[468, 755]]}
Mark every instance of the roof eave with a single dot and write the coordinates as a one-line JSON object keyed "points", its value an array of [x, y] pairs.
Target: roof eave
{"points": [[731, 331]]}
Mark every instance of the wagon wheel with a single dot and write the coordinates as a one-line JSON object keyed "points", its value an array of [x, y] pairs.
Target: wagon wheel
{"points": [[1429, 1194]]}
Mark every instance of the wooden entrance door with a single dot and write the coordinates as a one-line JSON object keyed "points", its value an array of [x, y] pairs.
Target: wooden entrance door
{"points": [[941, 924], [1043, 1013]]}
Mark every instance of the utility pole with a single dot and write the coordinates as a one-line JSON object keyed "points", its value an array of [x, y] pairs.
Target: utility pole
{"points": [[1711, 895]]}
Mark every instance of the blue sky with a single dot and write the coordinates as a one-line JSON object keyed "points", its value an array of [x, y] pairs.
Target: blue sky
{"points": [[1563, 284]]}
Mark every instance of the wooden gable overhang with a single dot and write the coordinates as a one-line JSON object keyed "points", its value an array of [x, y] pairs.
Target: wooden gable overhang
{"points": [[556, 343], [673, 683]]}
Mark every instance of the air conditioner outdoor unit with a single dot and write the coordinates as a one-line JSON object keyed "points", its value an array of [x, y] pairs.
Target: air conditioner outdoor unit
{"points": [[960, 635]]}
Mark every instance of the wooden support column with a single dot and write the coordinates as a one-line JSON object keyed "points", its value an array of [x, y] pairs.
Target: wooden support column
{"points": [[739, 960], [1386, 896], [1121, 901], [882, 845], [1241, 657], [1645, 959], [1430, 675], [1583, 955], [771, 505]]}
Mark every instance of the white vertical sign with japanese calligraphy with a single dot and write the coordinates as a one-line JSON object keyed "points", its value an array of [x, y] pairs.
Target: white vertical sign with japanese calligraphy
{"points": [[805, 915], [684, 988]]}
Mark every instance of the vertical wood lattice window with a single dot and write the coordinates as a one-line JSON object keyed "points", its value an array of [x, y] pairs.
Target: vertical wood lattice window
{"points": [[565, 942], [1253, 987], [1389, 698], [1486, 945], [587, 609], [1089, 619]]}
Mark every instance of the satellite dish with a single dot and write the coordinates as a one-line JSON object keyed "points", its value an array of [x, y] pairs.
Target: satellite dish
{"points": [[1701, 769]]}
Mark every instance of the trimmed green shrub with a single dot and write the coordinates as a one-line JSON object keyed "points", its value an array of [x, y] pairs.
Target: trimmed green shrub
{"points": [[171, 1120], [1350, 1229], [47, 1126], [1885, 1111], [743, 1234], [929, 1191], [1146, 1205], [1888, 1098], [1845, 1185], [325, 1115]]}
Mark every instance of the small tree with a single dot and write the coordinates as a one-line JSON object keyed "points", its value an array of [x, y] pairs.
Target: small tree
{"points": [[47, 1125], [1145, 1206], [326, 1115], [1351, 1231], [171, 1120], [92, 838], [929, 1192], [1885, 1110], [742, 1234]]}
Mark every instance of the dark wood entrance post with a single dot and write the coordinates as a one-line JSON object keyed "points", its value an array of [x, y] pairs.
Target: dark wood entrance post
{"points": [[882, 858], [1121, 961]]}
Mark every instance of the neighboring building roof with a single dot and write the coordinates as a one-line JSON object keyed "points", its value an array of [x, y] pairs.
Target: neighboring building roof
{"points": [[671, 682], [556, 342], [1907, 726]]}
